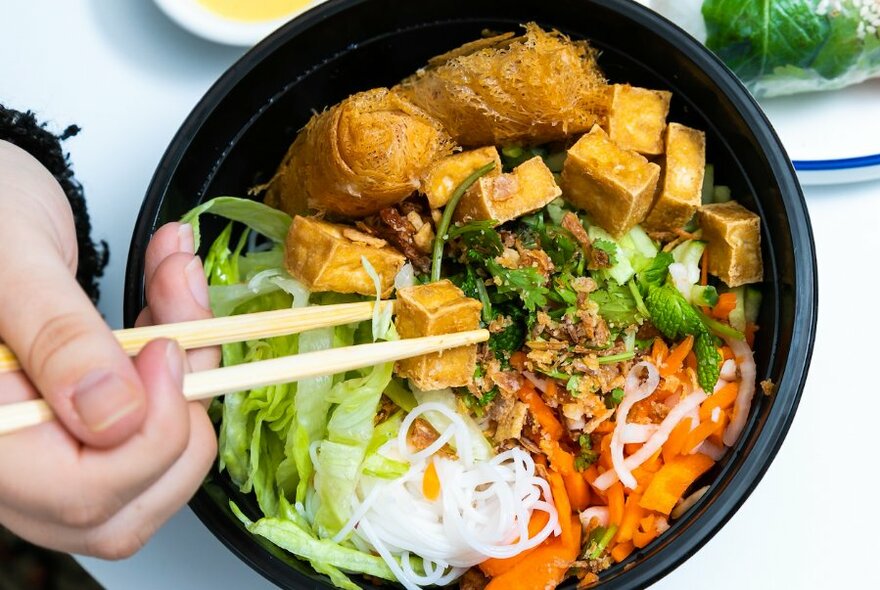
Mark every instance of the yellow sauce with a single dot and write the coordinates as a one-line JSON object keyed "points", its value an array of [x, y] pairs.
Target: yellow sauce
{"points": [[254, 10]]}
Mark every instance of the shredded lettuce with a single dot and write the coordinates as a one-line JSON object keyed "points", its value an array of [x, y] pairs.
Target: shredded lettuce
{"points": [[312, 407], [382, 317], [269, 437], [329, 556], [688, 254], [268, 221], [621, 269], [377, 464], [341, 454], [631, 254]]}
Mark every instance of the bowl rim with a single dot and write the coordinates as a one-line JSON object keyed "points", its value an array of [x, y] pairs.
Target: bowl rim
{"points": [[704, 523]]}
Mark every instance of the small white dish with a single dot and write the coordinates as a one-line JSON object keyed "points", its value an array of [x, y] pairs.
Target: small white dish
{"points": [[832, 137], [201, 20]]}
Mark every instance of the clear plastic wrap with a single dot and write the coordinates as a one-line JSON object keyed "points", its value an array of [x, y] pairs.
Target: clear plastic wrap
{"points": [[786, 46]]}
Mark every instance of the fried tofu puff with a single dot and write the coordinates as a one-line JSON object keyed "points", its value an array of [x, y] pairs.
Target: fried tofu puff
{"points": [[733, 237], [446, 175], [637, 118], [614, 185], [530, 89], [358, 157], [528, 187], [327, 257], [429, 310], [681, 182]]}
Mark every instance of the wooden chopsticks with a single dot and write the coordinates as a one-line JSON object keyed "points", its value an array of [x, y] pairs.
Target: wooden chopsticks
{"points": [[236, 328], [205, 384]]}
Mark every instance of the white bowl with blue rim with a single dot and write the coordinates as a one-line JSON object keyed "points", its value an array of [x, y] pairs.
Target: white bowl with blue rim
{"points": [[832, 137]]}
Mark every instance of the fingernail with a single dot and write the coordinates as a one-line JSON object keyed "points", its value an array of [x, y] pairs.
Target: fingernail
{"points": [[102, 398], [198, 286], [175, 357], [186, 241]]}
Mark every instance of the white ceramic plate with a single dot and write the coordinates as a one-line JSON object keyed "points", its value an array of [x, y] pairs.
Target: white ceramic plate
{"points": [[196, 18], [832, 137]]}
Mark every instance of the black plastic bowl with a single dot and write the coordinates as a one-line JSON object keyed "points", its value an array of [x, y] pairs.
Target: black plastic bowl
{"points": [[239, 131]]}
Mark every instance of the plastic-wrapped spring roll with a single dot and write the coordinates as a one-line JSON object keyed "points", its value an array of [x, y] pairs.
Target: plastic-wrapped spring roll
{"points": [[358, 157], [530, 89], [786, 46]]}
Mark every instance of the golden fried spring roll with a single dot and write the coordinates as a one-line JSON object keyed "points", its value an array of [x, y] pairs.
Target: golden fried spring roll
{"points": [[364, 154], [535, 88]]}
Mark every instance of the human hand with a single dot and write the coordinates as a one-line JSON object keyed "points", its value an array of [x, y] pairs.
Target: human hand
{"points": [[127, 450]]}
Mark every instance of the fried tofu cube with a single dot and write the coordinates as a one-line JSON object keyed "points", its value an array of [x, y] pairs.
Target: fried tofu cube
{"points": [[614, 185], [681, 182], [327, 257], [733, 234], [429, 310], [637, 118], [447, 174], [529, 187]]}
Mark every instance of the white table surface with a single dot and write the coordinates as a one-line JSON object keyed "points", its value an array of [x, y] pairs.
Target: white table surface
{"points": [[128, 77]]}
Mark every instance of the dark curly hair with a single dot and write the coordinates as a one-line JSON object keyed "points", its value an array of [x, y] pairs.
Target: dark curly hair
{"points": [[23, 130]]}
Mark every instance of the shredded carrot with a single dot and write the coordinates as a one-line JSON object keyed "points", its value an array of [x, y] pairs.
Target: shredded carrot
{"points": [[696, 436], [632, 513], [676, 440], [641, 538], [673, 480], [563, 462], [591, 473], [550, 388], [630, 448], [542, 413], [518, 360], [645, 472], [431, 483], [537, 522], [560, 459], [578, 491], [605, 452], [563, 505], [659, 351], [704, 267], [495, 567], [615, 504], [726, 304], [751, 328], [717, 436], [548, 564], [676, 357], [597, 497], [726, 353], [622, 551], [723, 398], [654, 462], [605, 427], [646, 532], [691, 361], [643, 478]]}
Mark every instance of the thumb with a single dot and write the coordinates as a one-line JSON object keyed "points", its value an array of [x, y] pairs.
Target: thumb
{"points": [[68, 352], [63, 344]]}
